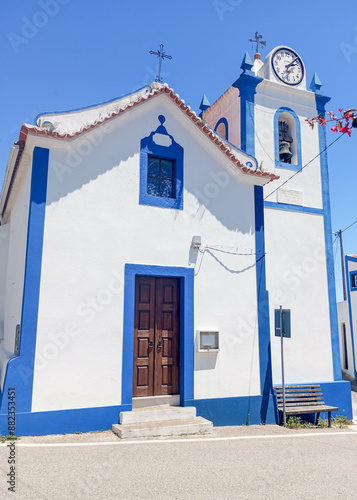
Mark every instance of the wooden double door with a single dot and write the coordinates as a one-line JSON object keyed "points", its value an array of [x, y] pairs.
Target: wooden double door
{"points": [[156, 336]]}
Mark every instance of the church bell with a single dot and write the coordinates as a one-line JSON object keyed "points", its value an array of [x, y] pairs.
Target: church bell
{"points": [[285, 141], [285, 154]]}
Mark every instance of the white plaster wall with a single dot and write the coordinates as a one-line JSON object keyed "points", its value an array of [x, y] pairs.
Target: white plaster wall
{"points": [[267, 101], [4, 250], [344, 317], [94, 225], [352, 266], [16, 260], [297, 280]]}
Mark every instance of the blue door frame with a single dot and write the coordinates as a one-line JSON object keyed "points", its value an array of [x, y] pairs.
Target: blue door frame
{"points": [[186, 276]]}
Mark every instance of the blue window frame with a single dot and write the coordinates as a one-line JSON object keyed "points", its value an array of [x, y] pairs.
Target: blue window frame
{"points": [[353, 275], [161, 170]]}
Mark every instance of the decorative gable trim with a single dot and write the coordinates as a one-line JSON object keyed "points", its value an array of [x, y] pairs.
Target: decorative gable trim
{"points": [[158, 89]]}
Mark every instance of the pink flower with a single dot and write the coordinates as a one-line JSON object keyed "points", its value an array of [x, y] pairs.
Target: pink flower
{"points": [[340, 110], [334, 129], [346, 130]]}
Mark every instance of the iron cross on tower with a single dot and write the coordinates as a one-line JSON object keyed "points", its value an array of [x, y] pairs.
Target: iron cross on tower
{"points": [[258, 40], [161, 55]]}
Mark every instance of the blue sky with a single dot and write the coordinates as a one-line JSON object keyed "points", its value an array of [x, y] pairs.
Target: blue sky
{"points": [[63, 54]]}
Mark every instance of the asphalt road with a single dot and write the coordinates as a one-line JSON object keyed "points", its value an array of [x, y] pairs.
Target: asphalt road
{"points": [[252, 463]]}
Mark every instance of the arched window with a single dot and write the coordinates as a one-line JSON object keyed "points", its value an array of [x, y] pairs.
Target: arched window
{"points": [[222, 128], [287, 139]]}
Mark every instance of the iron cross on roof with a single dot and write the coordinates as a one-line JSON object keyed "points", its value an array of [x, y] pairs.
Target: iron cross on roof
{"points": [[161, 55], [258, 40]]}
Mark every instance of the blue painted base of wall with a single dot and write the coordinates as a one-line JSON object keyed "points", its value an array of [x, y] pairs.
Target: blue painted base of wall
{"points": [[255, 410], [252, 410], [338, 394], [64, 421], [248, 410]]}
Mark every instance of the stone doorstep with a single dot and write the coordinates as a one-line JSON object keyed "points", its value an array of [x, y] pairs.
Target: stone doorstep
{"points": [[197, 425], [157, 414]]}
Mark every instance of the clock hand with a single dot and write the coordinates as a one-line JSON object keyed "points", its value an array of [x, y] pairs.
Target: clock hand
{"points": [[292, 62]]}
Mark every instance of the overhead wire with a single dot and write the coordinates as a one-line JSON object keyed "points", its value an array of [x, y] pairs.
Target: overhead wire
{"points": [[302, 168], [343, 230]]}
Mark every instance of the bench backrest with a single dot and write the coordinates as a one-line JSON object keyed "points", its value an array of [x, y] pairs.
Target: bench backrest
{"points": [[300, 395]]}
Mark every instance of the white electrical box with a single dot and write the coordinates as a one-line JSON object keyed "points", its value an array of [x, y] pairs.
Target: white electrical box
{"points": [[208, 341]]}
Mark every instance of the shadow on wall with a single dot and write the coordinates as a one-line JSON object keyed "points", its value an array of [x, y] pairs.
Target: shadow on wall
{"points": [[208, 185]]}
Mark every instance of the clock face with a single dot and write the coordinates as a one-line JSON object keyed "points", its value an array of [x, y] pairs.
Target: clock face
{"points": [[288, 66]]}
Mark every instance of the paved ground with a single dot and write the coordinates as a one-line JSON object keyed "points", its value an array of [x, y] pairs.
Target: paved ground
{"points": [[255, 462]]}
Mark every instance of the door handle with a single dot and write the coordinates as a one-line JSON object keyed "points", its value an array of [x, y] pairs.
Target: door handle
{"points": [[151, 344], [159, 343]]}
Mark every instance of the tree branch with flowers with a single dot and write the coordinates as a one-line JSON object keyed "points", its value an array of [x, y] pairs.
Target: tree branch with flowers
{"points": [[344, 123]]}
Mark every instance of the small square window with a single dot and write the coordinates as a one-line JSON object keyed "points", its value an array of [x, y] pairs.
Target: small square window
{"points": [[354, 281], [160, 177]]}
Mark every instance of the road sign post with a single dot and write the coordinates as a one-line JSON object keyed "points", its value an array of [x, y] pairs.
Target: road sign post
{"points": [[282, 329]]}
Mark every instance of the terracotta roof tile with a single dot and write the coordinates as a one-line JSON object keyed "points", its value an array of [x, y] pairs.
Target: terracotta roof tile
{"points": [[229, 150]]}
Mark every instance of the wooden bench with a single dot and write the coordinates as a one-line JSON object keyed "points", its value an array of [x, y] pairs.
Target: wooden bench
{"points": [[302, 399]]}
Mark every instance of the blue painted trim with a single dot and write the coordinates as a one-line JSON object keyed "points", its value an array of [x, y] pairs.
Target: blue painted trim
{"points": [[338, 393], [266, 379], [204, 105], [348, 259], [186, 276], [91, 106], [335, 343], [351, 281], [247, 64], [294, 208], [174, 152], [247, 83], [245, 410], [20, 369], [64, 421], [315, 84], [278, 163], [225, 122]]}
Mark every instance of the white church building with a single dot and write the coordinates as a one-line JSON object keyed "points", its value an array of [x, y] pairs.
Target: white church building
{"points": [[144, 250]]}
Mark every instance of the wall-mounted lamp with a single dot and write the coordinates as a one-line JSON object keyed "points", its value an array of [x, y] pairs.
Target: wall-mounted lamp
{"points": [[196, 242]]}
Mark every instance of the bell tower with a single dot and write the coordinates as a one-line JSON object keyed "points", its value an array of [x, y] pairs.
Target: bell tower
{"points": [[266, 110]]}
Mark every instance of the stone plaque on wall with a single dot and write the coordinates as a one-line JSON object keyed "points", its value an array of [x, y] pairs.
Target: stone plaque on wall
{"points": [[290, 196]]}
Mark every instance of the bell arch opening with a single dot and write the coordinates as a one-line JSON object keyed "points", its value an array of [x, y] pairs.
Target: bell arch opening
{"points": [[287, 139]]}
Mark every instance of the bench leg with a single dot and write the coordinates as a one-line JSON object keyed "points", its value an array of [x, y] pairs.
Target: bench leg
{"points": [[317, 418], [329, 419]]}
